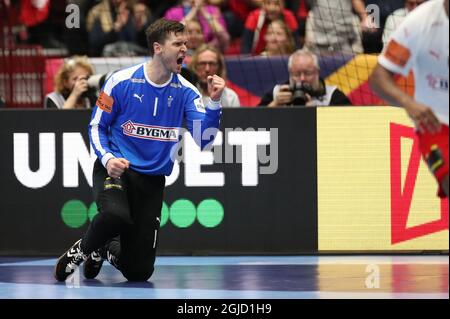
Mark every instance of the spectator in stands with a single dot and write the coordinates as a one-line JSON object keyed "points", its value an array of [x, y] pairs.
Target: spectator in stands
{"points": [[72, 90], [159, 8], [333, 27], [77, 39], [142, 19], [113, 22], [253, 39], [279, 39], [238, 12], [397, 17], [304, 87], [195, 39], [300, 8], [207, 60], [379, 9], [35, 22], [210, 18]]}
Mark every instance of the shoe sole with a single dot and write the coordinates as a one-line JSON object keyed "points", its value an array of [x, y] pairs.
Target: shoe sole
{"points": [[56, 267]]}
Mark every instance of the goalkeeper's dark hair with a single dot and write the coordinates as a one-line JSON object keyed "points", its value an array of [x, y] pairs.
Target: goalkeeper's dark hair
{"points": [[160, 30]]}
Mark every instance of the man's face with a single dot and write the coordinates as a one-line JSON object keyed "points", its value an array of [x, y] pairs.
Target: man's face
{"points": [[304, 70], [173, 51], [207, 64], [273, 9]]}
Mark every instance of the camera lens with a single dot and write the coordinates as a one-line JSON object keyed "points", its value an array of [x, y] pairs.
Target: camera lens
{"points": [[298, 95]]}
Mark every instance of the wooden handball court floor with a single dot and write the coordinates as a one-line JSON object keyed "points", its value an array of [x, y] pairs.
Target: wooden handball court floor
{"points": [[240, 277]]}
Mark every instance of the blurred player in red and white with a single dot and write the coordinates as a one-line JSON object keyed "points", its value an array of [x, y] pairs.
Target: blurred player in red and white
{"points": [[421, 44]]}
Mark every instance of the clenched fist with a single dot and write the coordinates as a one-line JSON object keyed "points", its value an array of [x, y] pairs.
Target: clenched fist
{"points": [[116, 167], [216, 86]]}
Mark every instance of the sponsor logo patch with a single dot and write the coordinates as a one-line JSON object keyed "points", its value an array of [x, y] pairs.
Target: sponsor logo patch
{"points": [[437, 83], [199, 105], [397, 53], [150, 132], [105, 102]]}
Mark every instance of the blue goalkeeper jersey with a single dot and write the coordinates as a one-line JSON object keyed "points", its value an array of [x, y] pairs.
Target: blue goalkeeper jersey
{"points": [[141, 121]]}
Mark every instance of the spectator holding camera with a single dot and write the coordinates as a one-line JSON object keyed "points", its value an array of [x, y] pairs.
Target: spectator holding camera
{"points": [[304, 87], [72, 90]]}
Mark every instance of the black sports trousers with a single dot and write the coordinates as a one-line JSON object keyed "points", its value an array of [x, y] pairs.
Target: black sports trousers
{"points": [[129, 207]]}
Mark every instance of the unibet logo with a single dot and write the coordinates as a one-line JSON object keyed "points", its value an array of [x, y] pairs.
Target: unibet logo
{"points": [[182, 213]]}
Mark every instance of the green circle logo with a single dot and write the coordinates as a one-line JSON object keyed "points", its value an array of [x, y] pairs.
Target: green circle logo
{"points": [[182, 213], [74, 213], [210, 213], [164, 214], [92, 211]]}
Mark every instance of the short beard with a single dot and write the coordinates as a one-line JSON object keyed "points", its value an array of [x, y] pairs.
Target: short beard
{"points": [[166, 62]]}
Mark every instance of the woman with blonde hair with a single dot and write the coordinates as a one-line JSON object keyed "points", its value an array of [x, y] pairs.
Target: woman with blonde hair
{"points": [[195, 38], [279, 39], [71, 86]]}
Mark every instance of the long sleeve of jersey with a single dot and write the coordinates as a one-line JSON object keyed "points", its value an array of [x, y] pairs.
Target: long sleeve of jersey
{"points": [[103, 115], [202, 122]]}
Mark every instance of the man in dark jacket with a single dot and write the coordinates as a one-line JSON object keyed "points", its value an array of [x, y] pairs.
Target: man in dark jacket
{"points": [[305, 87]]}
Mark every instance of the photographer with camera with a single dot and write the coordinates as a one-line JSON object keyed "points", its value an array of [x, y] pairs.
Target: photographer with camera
{"points": [[305, 87], [73, 87]]}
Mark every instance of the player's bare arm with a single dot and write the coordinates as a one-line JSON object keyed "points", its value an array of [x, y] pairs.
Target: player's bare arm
{"points": [[383, 83]]}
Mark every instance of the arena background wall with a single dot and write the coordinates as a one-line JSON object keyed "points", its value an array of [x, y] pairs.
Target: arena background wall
{"points": [[345, 180], [26, 76]]}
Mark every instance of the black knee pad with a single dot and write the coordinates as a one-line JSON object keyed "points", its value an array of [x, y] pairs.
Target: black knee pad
{"points": [[138, 274], [435, 159]]}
